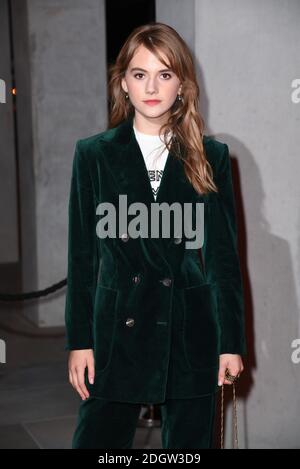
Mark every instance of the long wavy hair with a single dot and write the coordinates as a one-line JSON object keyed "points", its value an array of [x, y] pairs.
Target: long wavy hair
{"points": [[185, 122]]}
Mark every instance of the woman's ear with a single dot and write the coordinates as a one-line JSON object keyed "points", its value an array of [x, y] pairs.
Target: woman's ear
{"points": [[124, 85]]}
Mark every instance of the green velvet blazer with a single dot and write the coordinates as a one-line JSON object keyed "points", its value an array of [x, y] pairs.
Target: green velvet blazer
{"points": [[123, 293]]}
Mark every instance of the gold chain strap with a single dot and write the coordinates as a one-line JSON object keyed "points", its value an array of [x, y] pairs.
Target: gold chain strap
{"points": [[222, 417], [234, 419]]}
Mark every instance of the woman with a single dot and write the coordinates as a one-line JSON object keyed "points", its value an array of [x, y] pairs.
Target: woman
{"points": [[152, 319]]}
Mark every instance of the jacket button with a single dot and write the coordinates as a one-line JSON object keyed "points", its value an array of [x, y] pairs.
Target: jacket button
{"points": [[125, 237], [130, 322], [177, 240], [136, 279], [166, 281]]}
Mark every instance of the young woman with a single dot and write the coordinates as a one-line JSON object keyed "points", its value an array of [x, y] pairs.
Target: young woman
{"points": [[152, 318]]}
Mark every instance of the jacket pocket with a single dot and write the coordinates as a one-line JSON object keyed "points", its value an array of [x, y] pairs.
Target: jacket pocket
{"points": [[104, 323], [201, 327]]}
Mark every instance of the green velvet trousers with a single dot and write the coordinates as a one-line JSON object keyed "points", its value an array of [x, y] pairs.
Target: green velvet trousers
{"points": [[185, 423]]}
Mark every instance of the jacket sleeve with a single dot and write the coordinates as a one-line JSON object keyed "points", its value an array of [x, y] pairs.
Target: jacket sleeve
{"points": [[227, 265], [82, 256]]}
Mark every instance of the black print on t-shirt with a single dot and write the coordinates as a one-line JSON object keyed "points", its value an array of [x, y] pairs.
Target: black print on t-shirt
{"points": [[155, 175]]}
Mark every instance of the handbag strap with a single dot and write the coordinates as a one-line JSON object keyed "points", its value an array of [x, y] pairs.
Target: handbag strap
{"points": [[234, 418]]}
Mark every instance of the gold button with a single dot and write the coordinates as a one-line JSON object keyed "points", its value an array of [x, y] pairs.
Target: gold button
{"points": [[125, 237], [130, 322], [136, 278], [166, 281]]}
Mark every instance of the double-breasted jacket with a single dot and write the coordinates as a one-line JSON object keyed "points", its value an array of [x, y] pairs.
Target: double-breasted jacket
{"points": [[156, 313]]}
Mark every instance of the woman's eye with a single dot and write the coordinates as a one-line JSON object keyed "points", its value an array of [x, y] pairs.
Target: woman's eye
{"points": [[163, 74]]}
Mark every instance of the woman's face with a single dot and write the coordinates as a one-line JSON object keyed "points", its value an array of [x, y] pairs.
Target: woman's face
{"points": [[147, 78]]}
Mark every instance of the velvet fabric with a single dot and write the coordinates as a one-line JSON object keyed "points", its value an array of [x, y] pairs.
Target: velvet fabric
{"points": [[156, 314], [185, 423]]}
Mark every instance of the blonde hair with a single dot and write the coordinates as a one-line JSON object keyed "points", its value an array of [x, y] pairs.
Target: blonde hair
{"points": [[185, 122]]}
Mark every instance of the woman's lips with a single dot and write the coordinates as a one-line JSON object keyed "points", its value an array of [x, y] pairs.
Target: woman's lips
{"points": [[152, 102]]}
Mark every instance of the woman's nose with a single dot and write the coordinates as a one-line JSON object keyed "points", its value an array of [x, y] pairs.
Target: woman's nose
{"points": [[151, 86]]}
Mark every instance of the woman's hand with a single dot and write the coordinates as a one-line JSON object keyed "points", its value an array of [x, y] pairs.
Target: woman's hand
{"points": [[233, 363], [78, 361]]}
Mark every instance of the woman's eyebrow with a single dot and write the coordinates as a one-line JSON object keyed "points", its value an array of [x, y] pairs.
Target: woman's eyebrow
{"points": [[160, 71]]}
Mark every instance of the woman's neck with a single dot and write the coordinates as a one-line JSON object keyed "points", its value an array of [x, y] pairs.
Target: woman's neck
{"points": [[147, 128]]}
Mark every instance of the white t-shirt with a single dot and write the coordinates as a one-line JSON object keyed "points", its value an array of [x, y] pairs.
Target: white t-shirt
{"points": [[155, 155]]}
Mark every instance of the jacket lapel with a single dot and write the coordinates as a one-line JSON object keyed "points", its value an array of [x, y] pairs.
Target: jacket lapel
{"points": [[127, 166], [131, 175]]}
